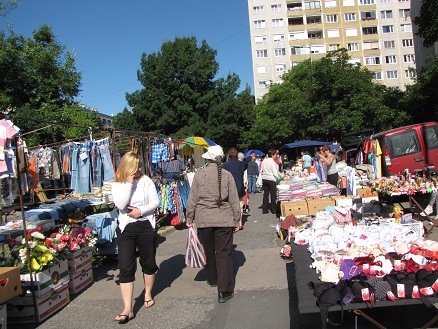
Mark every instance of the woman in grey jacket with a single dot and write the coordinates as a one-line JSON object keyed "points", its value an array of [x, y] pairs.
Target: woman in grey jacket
{"points": [[214, 207]]}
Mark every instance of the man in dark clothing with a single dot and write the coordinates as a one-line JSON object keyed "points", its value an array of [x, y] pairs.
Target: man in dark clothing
{"points": [[237, 169], [253, 174]]}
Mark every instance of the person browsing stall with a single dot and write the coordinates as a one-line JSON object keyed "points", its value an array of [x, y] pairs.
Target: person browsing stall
{"points": [[214, 207], [330, 160], [269, 174], [136, 198]]}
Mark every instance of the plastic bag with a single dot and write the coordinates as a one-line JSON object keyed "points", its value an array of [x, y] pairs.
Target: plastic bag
{"points": [[195, 254]]}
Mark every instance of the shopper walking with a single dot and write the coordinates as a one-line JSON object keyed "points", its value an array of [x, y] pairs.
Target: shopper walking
{"points": [[237, 168], [253, 173], [136, 198], [213, 206], [269, 173]]}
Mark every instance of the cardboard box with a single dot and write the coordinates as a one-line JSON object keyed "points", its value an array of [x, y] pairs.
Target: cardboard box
{"points": [[369, 198], [363, 192], [79, 258], [343, 201], [21, 309], [81, 279], [319, 204], [294, 207], [46, 280], [10, 286]]}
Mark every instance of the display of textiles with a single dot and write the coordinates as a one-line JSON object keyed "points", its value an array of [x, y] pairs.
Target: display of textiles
{"points": [[173, 197], [307, 190]]}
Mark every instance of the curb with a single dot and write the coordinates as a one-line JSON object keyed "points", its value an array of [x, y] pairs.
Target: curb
{"points": [[163, 231]]}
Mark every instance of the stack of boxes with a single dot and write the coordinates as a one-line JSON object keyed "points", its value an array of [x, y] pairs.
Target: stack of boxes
{"points": [[80, 269], [51, 292], [10, 287]]}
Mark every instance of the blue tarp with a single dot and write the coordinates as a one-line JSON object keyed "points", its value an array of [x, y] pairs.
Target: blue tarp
{"points": [[305, 143], [257, 153]]}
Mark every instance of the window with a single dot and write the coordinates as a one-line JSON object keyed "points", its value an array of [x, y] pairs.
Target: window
{"points": [[260, 38], [280, 52], [332, 33], [377, 75], [353, 47], [300, 35], [410, 74], [392, 59], [386, 14], [277, 22], [314, 35], [348, 3], [312, 5], [367, 2], [405, 13], [367, 15], [313, 20], [403, 143], [430, 137], [350, 32], [259, 24], [384, 1], [372, 60], [262, 53], [300, 50], [389, 44], [258, 10], [407, 43], [280, 67], [369, 30], [388, 29], [262, 69], [406, 27], [278, 37], [391, 74], [350, 17], [410, 58], [332, 18], [330, 3], [371, 45], [333, 47], [276, 8], [264, 84], [403, 0]]}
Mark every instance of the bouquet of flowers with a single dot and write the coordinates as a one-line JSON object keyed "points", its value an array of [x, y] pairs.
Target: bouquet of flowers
{"points": [[73, 237], [42, 250]]}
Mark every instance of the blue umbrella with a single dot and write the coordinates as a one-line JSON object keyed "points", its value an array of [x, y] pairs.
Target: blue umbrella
{"points": [[257, 153]]}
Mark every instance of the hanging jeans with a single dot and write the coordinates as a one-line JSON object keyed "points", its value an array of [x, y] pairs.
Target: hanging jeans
{"points": [[81, 169]]}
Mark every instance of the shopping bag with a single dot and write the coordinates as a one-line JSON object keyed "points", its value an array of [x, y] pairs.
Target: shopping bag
{"points": [[195, 255]]}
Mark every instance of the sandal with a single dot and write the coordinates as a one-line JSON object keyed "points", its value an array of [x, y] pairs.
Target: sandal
{"points": [[124, 318], [149, 303]]}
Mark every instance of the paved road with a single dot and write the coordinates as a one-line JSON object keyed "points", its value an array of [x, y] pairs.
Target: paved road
{"points": [[183, 298]]}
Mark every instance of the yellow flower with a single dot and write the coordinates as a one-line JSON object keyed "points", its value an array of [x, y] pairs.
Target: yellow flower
{"points": [[41, 248], [47, 257], [35, 265]]}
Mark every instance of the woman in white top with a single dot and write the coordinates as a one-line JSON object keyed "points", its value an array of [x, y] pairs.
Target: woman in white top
{"points": [[269, 173], [136, 198]]}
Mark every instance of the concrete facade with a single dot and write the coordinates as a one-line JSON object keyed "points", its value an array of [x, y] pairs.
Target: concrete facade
{"points": [[377, 33]]}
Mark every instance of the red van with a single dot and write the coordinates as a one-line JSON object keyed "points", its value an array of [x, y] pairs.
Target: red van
{"points": [[413, 147]]}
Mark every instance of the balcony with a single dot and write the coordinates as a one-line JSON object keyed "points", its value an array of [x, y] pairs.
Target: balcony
{"points": [[297, 21]]}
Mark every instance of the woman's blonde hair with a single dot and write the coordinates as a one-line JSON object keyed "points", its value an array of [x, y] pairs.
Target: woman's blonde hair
{"points": [[128, 165]]}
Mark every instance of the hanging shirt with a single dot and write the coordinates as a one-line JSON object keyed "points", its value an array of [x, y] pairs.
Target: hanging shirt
{"points": [[6, 132]]}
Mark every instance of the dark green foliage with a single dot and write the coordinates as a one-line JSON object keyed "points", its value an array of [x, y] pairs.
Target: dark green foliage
{"points": [[427, 22]]}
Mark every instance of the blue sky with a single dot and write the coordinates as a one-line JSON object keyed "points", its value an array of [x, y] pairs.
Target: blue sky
{"points": [[109, 36]]}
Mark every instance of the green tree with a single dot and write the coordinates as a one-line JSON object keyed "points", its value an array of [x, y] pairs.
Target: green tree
{"points": [[6, 6], [322, 100], [39, 80], [422, 97], [427, 22], [180, 97]]}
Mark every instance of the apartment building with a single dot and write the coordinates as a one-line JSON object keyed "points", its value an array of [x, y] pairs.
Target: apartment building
{"points": [[378, 34]]}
